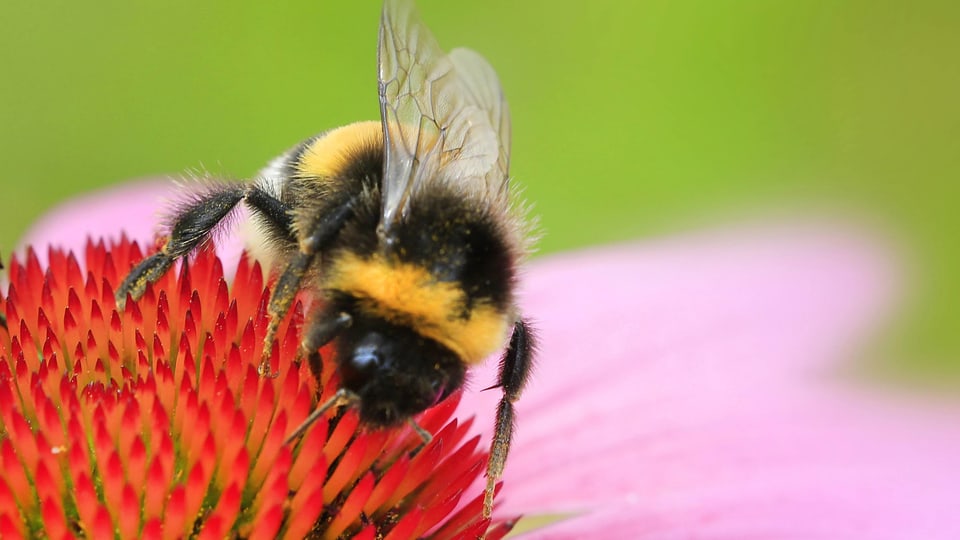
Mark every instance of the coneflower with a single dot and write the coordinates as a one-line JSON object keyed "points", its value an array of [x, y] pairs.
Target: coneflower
{"points": [[152, 422]]}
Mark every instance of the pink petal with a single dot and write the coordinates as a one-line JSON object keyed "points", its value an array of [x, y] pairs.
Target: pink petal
{"points": [[691, 388]]}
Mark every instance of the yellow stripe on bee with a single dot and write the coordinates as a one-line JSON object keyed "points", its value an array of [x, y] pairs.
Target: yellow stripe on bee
{"points": [[329, 155], [405, 293]]}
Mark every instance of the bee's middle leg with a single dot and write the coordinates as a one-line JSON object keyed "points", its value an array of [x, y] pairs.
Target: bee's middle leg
{"points": [[314, 241]]}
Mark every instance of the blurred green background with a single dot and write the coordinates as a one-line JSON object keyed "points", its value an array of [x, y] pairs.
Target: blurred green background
{"points": [[631, 118]]}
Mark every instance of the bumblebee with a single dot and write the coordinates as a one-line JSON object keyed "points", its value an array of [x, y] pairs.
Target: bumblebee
{"points": [[404, 229]]}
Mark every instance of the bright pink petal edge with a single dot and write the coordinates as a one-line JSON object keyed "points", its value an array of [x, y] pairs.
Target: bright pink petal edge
{"points": [[696, 387]]}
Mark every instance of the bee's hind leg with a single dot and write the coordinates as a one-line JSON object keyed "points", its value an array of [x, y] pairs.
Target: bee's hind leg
{"points": [[515, 368]]}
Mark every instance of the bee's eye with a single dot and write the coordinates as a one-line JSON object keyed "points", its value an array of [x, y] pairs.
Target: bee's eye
{"points": [[366, 356]]}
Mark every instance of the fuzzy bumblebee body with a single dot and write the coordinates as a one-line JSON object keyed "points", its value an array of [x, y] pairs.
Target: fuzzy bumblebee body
{"points": [[405, 231], [444, 278]]}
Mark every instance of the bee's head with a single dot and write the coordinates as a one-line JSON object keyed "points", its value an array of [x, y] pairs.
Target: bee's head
{"points": [[396, 372]]}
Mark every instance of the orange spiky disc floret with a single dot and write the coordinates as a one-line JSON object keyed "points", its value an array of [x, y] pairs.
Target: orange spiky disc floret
{"points": [[153, 422]]}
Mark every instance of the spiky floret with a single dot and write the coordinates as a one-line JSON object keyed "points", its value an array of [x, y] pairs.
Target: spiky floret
{"points": [[153, 421]]}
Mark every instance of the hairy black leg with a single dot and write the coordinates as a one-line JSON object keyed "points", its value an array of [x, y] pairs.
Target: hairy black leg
{"points": [[515, 368], [321, 332], [276, 215], [147, 271], [425, 436], [341, 398], [194, 223], [323, 231]]}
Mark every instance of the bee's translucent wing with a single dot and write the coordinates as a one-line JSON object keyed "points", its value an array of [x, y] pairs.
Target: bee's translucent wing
{"points": [[482, 89], [445, 120]]}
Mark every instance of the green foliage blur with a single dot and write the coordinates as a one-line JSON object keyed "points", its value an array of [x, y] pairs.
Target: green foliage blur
{"points": [[631, 118]]}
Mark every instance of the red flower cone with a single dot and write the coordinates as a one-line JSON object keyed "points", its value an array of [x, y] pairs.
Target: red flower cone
{"points": [[153, 422]]}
